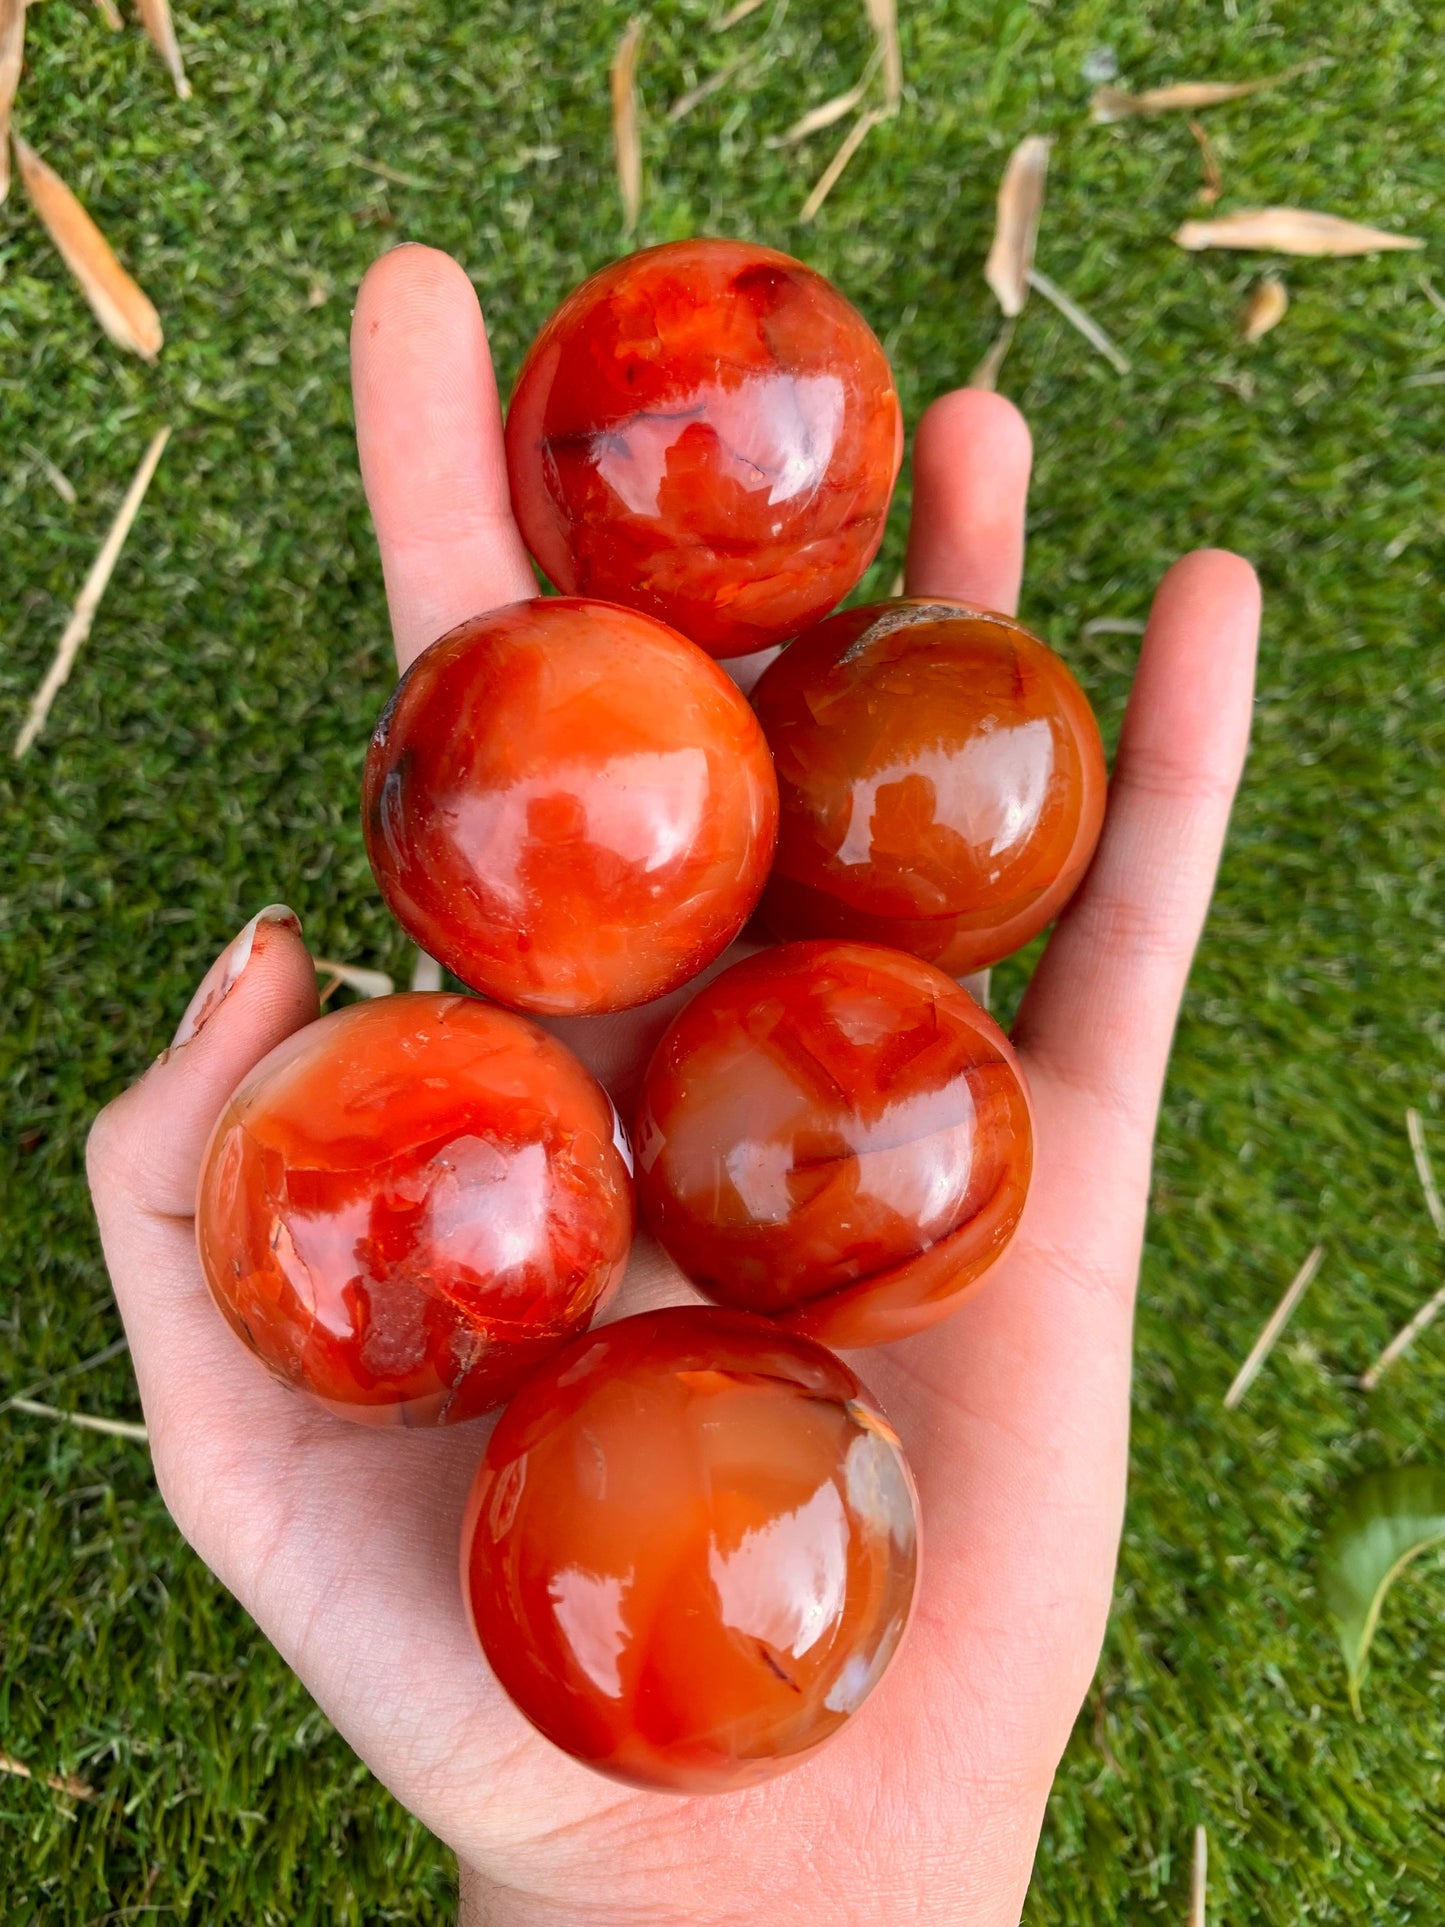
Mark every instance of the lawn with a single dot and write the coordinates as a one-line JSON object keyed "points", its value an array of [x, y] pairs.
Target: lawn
{"points": [[205, 757]]}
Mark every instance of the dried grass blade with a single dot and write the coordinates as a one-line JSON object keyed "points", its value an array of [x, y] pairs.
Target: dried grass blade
{"points": [[114, 1428], [986, 374], [625, 136], [883, 17], [1199, 1881], [704, 90], [739, 12], [369, 983], [1290, 230], [1432, 1307], [1420, 1151], [1265, 308], [57, 477], [57, 1782], [1075, 316], [1186, 96], [110, 14], [832, 173], [1275, 1324], [88, 601], [817, 118], [155, 17], [118, 304], [12, 59], [1020, 204], [1432, 294]]}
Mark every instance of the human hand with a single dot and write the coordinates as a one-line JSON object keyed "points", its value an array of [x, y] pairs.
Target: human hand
{"points": [[341, 1541]]}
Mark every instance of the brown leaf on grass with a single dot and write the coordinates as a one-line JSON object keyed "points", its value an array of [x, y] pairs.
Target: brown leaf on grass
{"points": [[57, 1782], [883, 18], [625, 138], [12, 59], [88, 601], [1290, 230], [1265, 308], [155, 17], [1020, 203], [1209, 160], [110, 14], [832, 173], [1112, 103], [120, 306]]}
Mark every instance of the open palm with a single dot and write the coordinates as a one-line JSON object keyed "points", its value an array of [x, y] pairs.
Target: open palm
{"points": [[342, 1541]]}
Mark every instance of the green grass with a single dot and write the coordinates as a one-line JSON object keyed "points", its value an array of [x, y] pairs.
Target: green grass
{"points": [[205, 759]]}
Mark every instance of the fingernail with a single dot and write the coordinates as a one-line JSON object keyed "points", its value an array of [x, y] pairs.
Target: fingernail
{"points": [[225, 972]]}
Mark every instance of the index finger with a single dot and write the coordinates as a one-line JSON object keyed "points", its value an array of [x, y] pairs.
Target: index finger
{"points": [[429, 434]]}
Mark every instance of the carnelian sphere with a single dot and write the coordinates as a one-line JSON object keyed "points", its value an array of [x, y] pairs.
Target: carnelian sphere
{"points": [[691, 1549], [706, 430], [941, 778], [570, 806], [837, 1136], [410, 1204]]}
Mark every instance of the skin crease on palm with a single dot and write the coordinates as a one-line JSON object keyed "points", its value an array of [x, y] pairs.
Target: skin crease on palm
{"points": [[341, 1541]]}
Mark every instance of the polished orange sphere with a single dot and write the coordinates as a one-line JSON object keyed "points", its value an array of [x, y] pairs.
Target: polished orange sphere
{"points": [[708, 431], [837, 1136], [569, 806], [691, 1549], [941, 778], [410, 1204]]}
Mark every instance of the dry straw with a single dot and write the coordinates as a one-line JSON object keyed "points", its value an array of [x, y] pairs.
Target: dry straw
{"points": [[1199, 1881], [119, 305], [114, 1428], [1076, 317], [57, 1782], [833, 172], [883, 18], [88, 601], [1432, 1307], [155, 17], [1186, 97], [1278, 1318]]}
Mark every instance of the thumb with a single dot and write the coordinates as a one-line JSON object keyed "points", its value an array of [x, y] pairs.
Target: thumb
{"points": [[145, 1149]]}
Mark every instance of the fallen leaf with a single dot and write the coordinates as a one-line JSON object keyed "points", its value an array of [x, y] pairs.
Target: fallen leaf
{"points": [[625, 138], [1112, 103], [831, 174], [368, 983], [1381, 1521], [155, 17], [1076, 317], [88, 601], [57, 1782], [1265, 308], [883, 17], [12, 59], [426, 972], [119, 305], [1020, 204], [1290, 230], [1209, 161]]}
